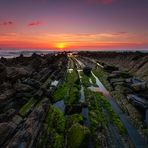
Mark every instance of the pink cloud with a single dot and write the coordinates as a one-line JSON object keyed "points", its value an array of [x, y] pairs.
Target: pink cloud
{"points": [[6, 23], [35, 23]]}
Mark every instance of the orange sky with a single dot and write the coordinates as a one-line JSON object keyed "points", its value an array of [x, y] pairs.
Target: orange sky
{"points": [[74, 24], [73, 41]]}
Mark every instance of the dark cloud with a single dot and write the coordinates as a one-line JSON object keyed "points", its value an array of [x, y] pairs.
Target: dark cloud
{"points": [[6, 23], [34, 23]]}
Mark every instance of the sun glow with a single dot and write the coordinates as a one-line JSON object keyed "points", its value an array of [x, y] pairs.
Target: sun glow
{"points": [[61, 46]]}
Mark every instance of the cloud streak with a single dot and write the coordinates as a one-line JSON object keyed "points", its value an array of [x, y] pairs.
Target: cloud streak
{"points": [[72, 41], [6, 23], [35, 23]]}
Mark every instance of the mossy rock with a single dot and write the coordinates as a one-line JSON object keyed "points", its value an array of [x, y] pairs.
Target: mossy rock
{"points": [[56, 120], [57, 141], [78, 136], [73, 119], [61, 93]]}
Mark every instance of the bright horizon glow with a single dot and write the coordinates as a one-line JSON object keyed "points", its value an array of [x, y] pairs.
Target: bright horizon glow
{"points": [[61, 46]]}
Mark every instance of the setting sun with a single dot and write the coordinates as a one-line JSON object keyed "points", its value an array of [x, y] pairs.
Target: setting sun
{"points": [[60, 46]]}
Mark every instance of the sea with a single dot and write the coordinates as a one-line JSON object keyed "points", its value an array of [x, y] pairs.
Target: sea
{"points": [[26, 53], [12, 53]]}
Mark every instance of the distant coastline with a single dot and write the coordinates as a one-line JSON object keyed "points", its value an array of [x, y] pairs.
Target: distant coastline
{"points": [[15, 53], [12, 53]]}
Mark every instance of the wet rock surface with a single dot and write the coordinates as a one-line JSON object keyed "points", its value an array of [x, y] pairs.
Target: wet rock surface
{"points": [[25, 96], [125, 76], [135, 63], [60, 101]]}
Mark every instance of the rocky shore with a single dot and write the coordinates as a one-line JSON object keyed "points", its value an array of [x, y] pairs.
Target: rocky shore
{"points": [[74, 100], [125, 75], [25, 94], [135, 63]]}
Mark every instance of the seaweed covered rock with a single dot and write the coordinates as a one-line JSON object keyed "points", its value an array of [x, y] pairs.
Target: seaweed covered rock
{"points": [[7, 94], [78, 136], [73, 119], [14, 73], [6, 129], [26, 136], [32, 82], [53, 129], [36, 63], [20, 87], [140, 86], [7, 115]]}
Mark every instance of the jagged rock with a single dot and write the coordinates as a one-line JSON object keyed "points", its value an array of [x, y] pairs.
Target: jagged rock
{"points": [[140, 86], [6, 129], [118, 74], [25, 136], [46, 92], [19, 87], [45, 77], [132, 80], [6, 116], [122, 89], [14, 73], [36, 76], [3, 73], [121, 74], [119, 83], [22, 138], [34, 55], [138, 101], [111, 76], [24, 95], [32, 82], [110, 68], [11, 112], [45, 104], [5, 86], [17, 119], [3, 59], [24, 78], [2, 67], [117, 80], [7, 94], [39, 94], [87, 71], [36, 63]]}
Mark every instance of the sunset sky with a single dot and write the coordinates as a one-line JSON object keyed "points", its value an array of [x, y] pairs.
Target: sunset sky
{"points": [[74, 24]]}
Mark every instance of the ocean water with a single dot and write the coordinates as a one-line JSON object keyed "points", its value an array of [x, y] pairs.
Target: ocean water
{"points": [[26, 53]]}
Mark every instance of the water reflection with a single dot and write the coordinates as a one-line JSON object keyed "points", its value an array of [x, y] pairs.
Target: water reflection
{"points": [[60, 105], [82, 99], [54, 83], [86, 117], [70, 70], [100, 85]]}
